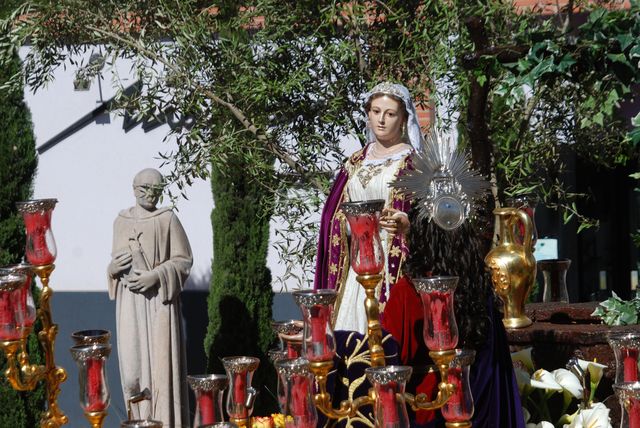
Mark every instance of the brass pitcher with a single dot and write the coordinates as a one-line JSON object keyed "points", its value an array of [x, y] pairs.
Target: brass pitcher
{"points": [[512, 265]]}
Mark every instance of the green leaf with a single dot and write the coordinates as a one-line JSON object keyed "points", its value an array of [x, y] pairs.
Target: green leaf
{"points": [[625, 40], [598, 118], [621, 58], [566, 62]]}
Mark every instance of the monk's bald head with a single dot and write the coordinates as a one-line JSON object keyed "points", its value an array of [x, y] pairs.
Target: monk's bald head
{"points": [[147, 188], [148, 177]]}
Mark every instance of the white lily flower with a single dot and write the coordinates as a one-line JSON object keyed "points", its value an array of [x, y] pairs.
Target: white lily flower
{"points": [[523, 379], [543, 379], [542, 424], [569, 382], [595, 370], [523, 357], [595, 417]]}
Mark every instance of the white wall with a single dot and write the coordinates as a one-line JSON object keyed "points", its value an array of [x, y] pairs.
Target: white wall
{"points": [[90, 173]]}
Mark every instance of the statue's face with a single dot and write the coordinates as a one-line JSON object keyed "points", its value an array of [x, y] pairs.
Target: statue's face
{"points": [[147, 189], [386, 118]]}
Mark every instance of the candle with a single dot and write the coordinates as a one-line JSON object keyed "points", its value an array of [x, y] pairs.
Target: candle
{"points": [[387, 396], [37, 225], [453, 411], [292, 352], [366, 259], [94, 386], [206, 407], [7, 323], [630, 364], [440, 335], [240, 392], [319, 346], [299, 392]]}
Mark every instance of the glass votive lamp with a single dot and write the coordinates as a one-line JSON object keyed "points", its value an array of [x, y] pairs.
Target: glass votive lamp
{"points": [[208, 390], [17, 309], [318, 340], [90, 337], [41, 247], [220, 425], [440, 328], [459, 407], [296, 394], [389, 383], [140, 423], [526, 203], [366, 254], [289, 333], [240, 397], [628, 394], [94, 391], [626, 348]]}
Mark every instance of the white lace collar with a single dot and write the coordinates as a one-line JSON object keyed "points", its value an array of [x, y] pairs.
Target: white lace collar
{"points": [[392, 157]]}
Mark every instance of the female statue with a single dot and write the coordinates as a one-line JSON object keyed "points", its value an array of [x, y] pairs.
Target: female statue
{"points": [[393, 133]]}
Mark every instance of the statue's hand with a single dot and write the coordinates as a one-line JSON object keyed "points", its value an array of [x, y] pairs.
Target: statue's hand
{"points": [[394, 221], [143, 280], [120, 262]]}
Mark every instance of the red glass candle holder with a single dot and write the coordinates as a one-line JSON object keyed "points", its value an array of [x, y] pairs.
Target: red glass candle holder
{"points": [[318, 340], [389, 383], [367, 256], [140, 423], [526, 203], [290, 334], [17, 309], [628, 394], [440, 328], [208, 390], [296, 394], [241, 395], [626, 348], [41, 247], [459, 407], [94, 391], [90, 337]]}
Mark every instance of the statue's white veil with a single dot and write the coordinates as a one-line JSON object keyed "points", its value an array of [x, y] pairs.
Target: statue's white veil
{"points": [[413, 126]]}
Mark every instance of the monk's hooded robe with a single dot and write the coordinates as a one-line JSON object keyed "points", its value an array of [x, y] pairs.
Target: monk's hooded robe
{"points": [[150, 344]]}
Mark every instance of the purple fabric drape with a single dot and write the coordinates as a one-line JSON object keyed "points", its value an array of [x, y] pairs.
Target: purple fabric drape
{"points": [[324, 242], [493, 382]]}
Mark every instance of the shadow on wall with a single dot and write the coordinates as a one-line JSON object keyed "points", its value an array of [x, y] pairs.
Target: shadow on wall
{"points": [[239, 336]]}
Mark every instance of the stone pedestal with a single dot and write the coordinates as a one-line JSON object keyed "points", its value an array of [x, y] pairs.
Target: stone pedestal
{"points": [[562, 330]]}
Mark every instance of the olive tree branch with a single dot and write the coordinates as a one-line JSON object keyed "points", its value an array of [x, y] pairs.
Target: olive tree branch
{"points": [[282, 155]]}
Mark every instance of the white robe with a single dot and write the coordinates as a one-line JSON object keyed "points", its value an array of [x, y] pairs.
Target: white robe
{"points": [[370, 181], [151, 348]]}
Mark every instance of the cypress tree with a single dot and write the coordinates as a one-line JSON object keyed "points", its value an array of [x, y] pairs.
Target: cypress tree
{"points": [[18, 164], [241, 297]]}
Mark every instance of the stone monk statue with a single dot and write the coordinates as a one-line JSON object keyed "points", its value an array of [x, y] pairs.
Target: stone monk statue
{"points": [[150, 262]]}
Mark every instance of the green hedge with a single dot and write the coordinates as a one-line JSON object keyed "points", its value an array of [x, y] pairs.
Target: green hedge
{"points": [[18, 164], [241, 297]]}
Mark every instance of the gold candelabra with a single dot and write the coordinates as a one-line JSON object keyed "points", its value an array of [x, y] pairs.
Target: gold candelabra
{"points": [[18, 312], [24, 376], [441, 335]]}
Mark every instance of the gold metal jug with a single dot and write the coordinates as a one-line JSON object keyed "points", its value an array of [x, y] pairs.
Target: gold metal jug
{"points": [[512, 265]]}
